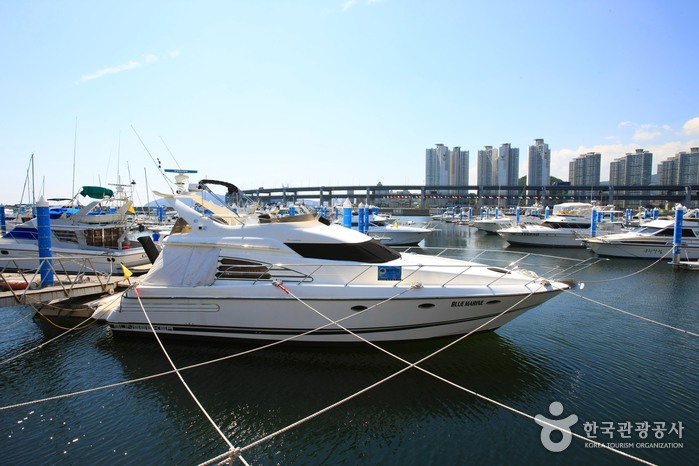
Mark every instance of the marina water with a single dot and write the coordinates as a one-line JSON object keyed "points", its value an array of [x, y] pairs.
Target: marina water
{"points": [[601, 365]]}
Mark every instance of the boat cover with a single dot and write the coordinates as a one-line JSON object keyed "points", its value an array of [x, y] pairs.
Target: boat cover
{"points": [[183, 266], [96, 192]]}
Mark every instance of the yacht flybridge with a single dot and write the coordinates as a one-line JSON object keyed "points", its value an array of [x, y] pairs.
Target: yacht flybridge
{"points": [[242, 276]]}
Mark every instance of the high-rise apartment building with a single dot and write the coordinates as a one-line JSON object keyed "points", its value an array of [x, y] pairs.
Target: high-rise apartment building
{"points": [[458, 167], [437, 166], [682, 170], [446, 168], [488, 171], [508, 170], [539, 164], [632, 170], [584, 170], [508, 165]]}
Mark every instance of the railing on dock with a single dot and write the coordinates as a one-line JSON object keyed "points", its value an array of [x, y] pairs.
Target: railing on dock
{"points": [[19, 280]]}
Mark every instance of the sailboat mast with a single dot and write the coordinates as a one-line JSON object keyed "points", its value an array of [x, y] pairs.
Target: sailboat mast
{"points": [[75, 150]]}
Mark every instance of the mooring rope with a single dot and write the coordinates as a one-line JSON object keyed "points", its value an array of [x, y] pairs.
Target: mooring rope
{"points": [[46, 342], [409, 366], [193, 366], [631, 274], [20, 320], [632, 314], [236, 452], [194, 397]]}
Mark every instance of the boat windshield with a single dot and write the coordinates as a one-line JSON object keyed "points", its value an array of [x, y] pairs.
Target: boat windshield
{"points": [[573, 210], [372, 251]]}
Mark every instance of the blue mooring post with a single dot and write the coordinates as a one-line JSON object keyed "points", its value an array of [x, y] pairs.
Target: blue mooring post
{"points": [[628, 215], [347, 214], [44, 229], [517, 217], [677, 239], [470, 214], [3, 228], [546, 212], [497, 210], [361, 217], [481, 213], [292, 210], [367, 211], [656, 213], [593, 227]]}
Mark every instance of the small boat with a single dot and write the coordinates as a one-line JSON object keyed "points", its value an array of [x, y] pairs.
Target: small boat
{"points": [[399, 235], [567, 227], [263, 278], [652, 240], [96, 231]]}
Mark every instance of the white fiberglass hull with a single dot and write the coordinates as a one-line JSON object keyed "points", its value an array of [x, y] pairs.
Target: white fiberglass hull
{"points": [[399, 237], [73, 260], [642, 250], [552, 238], [269, 314]]}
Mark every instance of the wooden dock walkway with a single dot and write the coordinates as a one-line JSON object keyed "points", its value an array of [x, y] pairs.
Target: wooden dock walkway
{"points": [[62, 289]]}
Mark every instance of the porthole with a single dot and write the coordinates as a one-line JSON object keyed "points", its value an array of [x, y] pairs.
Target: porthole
{"points": [[495, 301], [498, 270], [358, 308], [426, 306]]}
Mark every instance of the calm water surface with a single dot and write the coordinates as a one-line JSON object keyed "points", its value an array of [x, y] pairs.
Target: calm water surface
{"points": [[600, 364]]}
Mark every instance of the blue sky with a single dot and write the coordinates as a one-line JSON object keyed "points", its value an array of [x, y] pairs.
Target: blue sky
{"points": [[265, 93]]}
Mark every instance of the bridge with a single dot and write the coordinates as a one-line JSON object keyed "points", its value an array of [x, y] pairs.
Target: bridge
{"points": [[439, 196]]}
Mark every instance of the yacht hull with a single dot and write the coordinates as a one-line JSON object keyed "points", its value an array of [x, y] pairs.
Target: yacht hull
{"points": [[544, 239], [645, 250], [268, 317]]}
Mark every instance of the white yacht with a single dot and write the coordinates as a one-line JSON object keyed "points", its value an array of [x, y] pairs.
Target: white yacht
{"points": [[96, 231], [491, 225], [652, 240], [568, 226], [399, 235], [267, 279]]}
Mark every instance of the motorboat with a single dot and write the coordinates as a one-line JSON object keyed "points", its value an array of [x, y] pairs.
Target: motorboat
{"points": [[399, 235], [652, 240], [226, 276], [491, 225], [566, 227], [96, 232]]}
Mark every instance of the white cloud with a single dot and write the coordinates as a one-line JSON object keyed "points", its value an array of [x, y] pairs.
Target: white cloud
{"points": [[147, 59], [624, 123], [667, 128], [691, 127], [642, 135], [116, 69], [348, 4], [173, 53]]}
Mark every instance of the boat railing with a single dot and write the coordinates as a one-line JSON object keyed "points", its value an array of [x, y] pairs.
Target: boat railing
{"points": [[351, 274], [21, 276]]}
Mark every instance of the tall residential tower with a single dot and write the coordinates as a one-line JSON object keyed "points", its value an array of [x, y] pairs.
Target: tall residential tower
{"points": [[539, 164]]}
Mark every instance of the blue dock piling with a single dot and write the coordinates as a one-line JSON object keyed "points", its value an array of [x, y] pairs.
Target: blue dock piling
{"points": [[347, 214], [677, 237], [44, 229]]}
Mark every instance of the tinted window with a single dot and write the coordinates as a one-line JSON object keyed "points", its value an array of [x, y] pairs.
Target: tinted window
{"points": [[371, 251]]}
